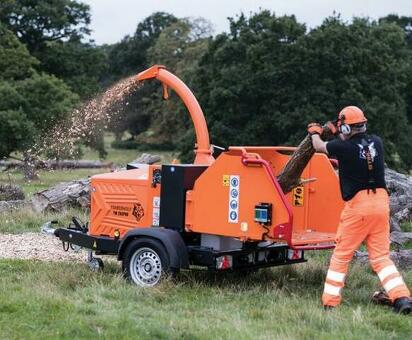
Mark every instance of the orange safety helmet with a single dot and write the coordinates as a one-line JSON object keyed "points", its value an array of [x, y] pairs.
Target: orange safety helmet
{"points": [[348, 116]]}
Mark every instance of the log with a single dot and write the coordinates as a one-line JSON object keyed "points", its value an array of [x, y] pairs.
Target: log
{"points": [[74, 193], [146, 158], [400, 188], [402, 258], [67, 194], [61, 164], [289, 177], [7, 206]]}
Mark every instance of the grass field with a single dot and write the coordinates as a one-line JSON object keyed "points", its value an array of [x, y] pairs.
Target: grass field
{"points": [[66, 300]]}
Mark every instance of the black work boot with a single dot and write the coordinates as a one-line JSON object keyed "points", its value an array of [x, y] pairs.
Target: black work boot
{"points": [[402, 305]]}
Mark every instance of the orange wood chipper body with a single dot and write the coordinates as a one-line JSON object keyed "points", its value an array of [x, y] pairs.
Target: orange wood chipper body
{"points": [[223, 213]]}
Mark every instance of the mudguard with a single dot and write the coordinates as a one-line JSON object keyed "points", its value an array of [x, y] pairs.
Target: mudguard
{"points": [[171, 240]]}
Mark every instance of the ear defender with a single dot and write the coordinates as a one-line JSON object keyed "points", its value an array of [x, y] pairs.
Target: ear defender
{"points": [[344, 129]]}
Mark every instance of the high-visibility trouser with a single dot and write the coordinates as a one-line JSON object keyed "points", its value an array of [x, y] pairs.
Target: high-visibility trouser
{"points": [[364, 218]]}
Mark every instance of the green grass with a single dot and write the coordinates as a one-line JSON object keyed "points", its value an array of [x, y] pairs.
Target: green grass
{"points": [[407, 227], [66, 300], [26, 220]]}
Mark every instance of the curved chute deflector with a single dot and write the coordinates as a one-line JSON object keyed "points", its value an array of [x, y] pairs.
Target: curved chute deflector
{"points": [[203, 150]]}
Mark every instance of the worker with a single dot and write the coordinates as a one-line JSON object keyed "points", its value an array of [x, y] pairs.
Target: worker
{"points": [[365, 216]]}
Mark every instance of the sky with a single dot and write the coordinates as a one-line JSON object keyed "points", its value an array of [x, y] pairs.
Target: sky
{"points": [[113, 19]]}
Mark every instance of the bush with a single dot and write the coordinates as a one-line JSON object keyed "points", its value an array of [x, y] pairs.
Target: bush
{"points": [[125, 144], [130, 144]]}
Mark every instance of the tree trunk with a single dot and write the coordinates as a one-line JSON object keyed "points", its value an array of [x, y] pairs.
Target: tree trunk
{"points": [[29, 167], [400, 188], [6, 206], [289, 177], [63, 195]]}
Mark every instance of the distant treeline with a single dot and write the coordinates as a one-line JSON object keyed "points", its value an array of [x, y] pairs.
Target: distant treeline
{"points": [[258, 84]]}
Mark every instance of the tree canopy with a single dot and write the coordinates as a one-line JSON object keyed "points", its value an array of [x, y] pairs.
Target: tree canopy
{"points": [[260, 83], [30, 102], [266, 79]]}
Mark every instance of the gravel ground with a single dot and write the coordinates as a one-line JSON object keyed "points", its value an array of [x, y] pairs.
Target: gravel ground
{"points": [[29, 246]]}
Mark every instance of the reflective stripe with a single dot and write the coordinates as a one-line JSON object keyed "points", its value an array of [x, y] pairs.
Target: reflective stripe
{"points": [[339, 261], [331, 290], [378, 259], [335, 276], [385, 272], [393, 283]]}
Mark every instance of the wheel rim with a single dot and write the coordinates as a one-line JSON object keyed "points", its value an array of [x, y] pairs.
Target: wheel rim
{"points": [[145, 267]]}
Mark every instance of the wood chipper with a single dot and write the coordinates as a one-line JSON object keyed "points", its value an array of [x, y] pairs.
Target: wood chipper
{"points": [[228, 213]]}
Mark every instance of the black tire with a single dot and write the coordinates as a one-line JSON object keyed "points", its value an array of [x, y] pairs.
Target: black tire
{"points": [[145, 262]]}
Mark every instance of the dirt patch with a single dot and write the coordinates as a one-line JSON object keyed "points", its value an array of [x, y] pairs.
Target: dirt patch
{"points": [[32, 246]]}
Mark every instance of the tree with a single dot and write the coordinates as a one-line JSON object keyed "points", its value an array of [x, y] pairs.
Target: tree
{"points": [[265, 80], [36, 22], [242, 81], [79, 64], [405, 23], [179, 46], [130, 57], [54, 32], [30, 102]]}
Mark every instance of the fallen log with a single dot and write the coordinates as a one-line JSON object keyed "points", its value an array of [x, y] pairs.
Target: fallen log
{"points": [[7, 206], [61, 164], [67, 194], [402, 258], [400, 188], [74, 193], [146, 158]]}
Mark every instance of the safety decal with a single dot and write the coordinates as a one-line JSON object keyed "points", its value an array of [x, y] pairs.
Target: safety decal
{"points": [[298, 196], [226, 180], [156, 211], [138, 211], [233, 210]]}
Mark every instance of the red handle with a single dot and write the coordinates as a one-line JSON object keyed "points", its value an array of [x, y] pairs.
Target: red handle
{"points": [[282, 231]]}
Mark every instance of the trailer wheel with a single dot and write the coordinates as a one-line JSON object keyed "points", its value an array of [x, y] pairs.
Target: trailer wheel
{"points": [[145, 262], [95, 264]]}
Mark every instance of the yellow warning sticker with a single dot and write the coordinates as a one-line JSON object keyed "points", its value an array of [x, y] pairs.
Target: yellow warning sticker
{"points": [[94, 245], [298, 196], [226, 180]]}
